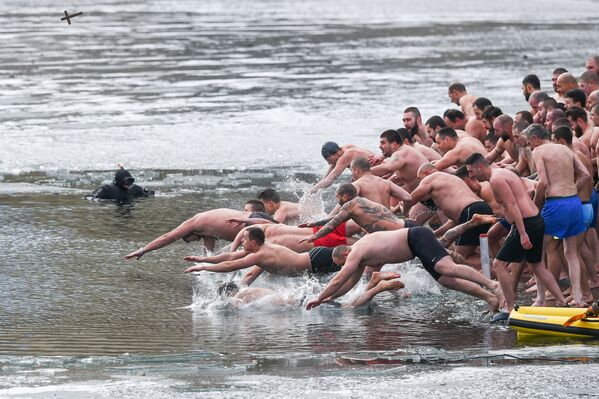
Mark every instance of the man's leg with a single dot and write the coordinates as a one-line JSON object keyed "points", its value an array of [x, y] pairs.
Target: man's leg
{"points": [[448, 268], [383, 285], [470, 288], [506, 280], [545, 279], [574, 269], [452, 234]]}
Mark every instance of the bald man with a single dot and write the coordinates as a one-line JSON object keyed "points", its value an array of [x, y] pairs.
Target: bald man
{"points": [[502, 126], [565, 82]]}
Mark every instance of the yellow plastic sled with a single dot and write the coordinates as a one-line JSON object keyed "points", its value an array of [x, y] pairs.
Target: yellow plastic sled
{"points": [[528, 320]]}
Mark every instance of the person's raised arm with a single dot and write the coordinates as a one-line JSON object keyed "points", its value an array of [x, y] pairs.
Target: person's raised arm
{"points": [[341, 164], [181, 231], [343, 215], [227, 266]]}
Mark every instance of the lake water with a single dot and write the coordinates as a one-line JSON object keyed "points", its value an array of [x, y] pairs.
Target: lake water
{"points": [[207, 103]]}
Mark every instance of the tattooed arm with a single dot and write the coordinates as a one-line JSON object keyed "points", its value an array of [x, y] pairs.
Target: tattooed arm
{"points": [[343, 215]]}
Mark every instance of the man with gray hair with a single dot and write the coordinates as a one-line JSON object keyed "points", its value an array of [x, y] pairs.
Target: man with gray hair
{"points": [[561, 175], [535, 99]]}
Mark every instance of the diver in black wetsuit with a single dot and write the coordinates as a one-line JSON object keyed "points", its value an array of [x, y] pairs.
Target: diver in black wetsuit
{"points": [[122, 189]]}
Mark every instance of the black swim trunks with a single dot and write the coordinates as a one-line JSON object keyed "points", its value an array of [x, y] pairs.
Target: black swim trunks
{"points": [[471, 237], [407, 223], [512, 250], [425, 246], [321, 259]]}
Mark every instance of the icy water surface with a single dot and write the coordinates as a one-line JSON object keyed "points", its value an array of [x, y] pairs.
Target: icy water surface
{"points": [[207, 103]]}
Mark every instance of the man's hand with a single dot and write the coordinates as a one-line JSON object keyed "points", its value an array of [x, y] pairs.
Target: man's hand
{"points": [[198, 268], [375, 159], [313, 303], [303, 240], [525, 241], [194, 258], [307, 224], [136, 254]]}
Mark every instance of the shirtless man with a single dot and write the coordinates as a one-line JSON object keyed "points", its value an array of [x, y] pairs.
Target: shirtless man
{"points": [[554, 75], [383, 247], [375, 188], [455, 199], [459, 95], [282, 211], [592, 64], [403, 160], [456, 150], [561, 176], [367, 214], [428, 152], [530, 83], [565, 82], [339, 158], [526, 238], [412, 120], [502, 127], [579, 122], [271, 258], [209, 226], [482, 189], [589, 82], [456, 120], [379, 282], [535, 99]]}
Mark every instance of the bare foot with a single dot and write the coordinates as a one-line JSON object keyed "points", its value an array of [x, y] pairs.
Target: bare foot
{"points": [[499, 293], [387, 285], [479, 219], [377, 277], [538, 303], [493, 304]]}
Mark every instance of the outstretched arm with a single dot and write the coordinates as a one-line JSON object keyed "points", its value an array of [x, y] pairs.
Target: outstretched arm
{"points": [[218, 258], [227, 266], [401, 195], [331, 176], [351, 267], [181, 231], [449, 159], [251, 275]]}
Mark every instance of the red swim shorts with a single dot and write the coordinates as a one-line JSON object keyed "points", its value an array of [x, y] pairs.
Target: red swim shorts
{"points": [[333, 239]]}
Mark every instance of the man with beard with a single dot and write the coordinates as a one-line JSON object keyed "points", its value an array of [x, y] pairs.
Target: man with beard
{"points": [[580, 124], [530, 83], [456, 149], [412, 120], [554, 75], [502, 127], [552, 116], [535, 100], [575, 97], [455, 119]]}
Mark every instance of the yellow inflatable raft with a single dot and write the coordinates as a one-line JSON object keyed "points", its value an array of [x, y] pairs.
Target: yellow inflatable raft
{"points": [[528, 320]]}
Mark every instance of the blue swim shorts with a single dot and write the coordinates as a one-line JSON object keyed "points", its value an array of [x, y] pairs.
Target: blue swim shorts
{"points": [[563, 217]]}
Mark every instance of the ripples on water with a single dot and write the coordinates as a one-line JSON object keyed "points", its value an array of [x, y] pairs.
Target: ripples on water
{"points": [[207, 103]]}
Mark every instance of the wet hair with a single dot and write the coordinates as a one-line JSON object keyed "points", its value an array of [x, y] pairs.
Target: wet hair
{"points": [[457, 86], [391, 136], [228, 289], [532, 80], [559, 122], [577, 113], [577, 96], [559, 71], [347, 189], [492, 138], [413, 110], [256, 234], [361, 163], [476, 158], [256, 205], [462, 172], [563, 133], [269, 194], [435, 121], [329, 149], [491, 112], [404, 134], [536, 130], [453, 114], [482, 103], [589, 77], [525, 116], [539, 96], [447, 132]]}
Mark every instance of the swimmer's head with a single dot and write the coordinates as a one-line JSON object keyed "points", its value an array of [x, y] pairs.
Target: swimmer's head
{"points": [[578, 119], [340, 254], [330, 151], [555, 74], [425, 169], [271, 200], [433, 125], [345, 193], [253, 239], [502, 126], [479, 105], [123, 179], [390, 141], [228, 289], [530, 83], [566, 81], [455, 91], [478, 167], [446, 139], [536, 135], [359, 166], [412, 120], [454, 118], [254, 206]]}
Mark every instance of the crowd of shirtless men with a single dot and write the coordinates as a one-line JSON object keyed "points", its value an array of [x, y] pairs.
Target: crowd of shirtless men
{"points": [[526, 181]]}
